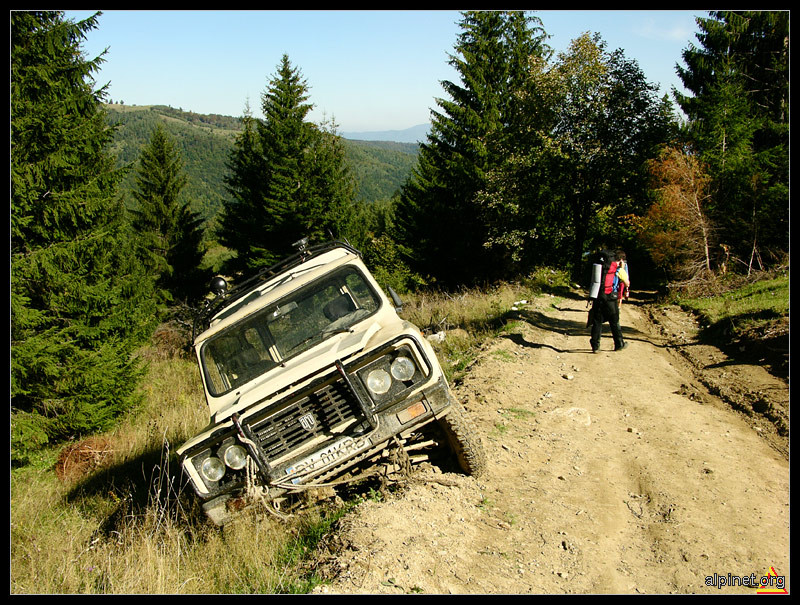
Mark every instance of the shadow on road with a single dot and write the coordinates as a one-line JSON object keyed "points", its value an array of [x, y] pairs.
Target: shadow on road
{"points": [[578, 327]]}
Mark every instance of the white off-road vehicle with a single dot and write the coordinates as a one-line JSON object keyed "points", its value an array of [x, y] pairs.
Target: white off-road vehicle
{"points": [[313, 379]]}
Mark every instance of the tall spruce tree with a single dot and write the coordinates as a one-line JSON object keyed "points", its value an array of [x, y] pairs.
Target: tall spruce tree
{"points": [[80, 302], [438, 218], [288, 179], [738, 114], [171, 233]]}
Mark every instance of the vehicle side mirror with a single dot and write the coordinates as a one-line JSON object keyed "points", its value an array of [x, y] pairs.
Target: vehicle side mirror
{"points": [[398, 304]]}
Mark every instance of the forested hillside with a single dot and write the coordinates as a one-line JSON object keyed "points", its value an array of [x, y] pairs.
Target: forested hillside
{"points": [[205, 142], [380, 167]]}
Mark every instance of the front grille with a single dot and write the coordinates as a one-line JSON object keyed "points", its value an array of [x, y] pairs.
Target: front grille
{"points": [[330, 406]]}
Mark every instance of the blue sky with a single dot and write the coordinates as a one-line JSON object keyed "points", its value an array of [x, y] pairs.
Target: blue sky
{"points": [[369, 70]]}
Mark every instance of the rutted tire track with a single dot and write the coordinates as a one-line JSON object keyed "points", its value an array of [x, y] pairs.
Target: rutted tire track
{"points": [[609, 473], [745, 387]]}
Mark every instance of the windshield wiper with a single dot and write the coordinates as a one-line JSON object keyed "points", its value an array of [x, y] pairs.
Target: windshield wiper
{"points": [[336, 331], [322, 335]]}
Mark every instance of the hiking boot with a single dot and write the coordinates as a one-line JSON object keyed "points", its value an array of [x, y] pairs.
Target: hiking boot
{"points": [[622, 346]]}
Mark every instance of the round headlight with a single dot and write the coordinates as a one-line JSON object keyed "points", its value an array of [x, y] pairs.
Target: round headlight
{"points": [[403, 369], [212, 468], [379, 381], [235, 457]]}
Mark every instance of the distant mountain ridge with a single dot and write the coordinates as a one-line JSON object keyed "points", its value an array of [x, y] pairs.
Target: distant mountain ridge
{"points": [[415, 134], [380, 166]]}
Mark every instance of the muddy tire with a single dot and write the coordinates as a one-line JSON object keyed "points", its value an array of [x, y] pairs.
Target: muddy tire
{"points": [[464, 440]]}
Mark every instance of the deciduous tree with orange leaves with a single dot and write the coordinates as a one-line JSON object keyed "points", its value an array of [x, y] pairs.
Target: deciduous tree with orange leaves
{"points": [[676, 229]]}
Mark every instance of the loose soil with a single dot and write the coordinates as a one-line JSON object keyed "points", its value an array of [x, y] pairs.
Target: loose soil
{"points": [[646, 470]]}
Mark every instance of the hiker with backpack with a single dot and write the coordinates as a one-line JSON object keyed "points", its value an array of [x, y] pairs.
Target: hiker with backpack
{"points": [[605, 307]]}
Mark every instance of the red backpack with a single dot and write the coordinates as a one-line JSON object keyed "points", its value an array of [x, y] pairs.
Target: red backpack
{"points": [[608, 282]]}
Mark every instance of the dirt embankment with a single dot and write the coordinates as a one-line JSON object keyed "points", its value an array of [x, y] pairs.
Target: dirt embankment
{"points": [[636, 471]]}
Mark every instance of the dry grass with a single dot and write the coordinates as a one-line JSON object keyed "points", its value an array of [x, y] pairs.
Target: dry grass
{"points": [[471, 316], [79, 459]]}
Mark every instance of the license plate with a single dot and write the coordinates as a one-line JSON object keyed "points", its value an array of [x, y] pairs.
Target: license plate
{"points": [[333, 453]]}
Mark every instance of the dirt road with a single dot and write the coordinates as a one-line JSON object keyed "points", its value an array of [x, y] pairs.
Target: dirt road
{"points": [[618, 472]]}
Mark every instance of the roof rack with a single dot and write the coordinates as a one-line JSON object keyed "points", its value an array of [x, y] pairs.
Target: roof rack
{"points": [[226, 298]]}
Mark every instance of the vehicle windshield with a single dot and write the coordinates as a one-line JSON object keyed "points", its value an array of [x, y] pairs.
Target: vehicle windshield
{"points": [[286, 328]]}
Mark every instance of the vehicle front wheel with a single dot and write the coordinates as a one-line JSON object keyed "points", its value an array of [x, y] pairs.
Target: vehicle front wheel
{"points": [[464, 440]]}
